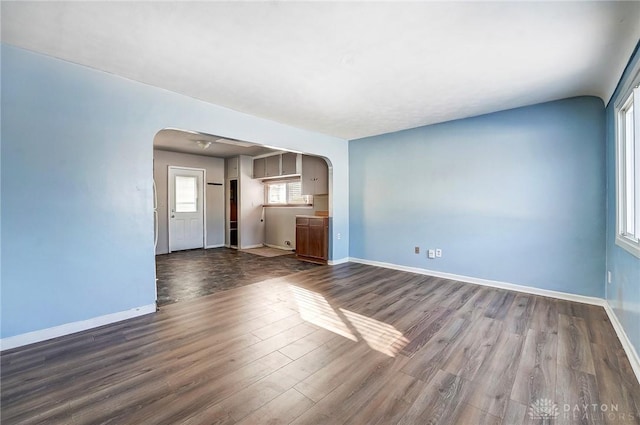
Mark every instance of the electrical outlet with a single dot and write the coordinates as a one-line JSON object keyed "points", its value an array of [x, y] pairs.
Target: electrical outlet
{"points": [[609, 277], [417, 250], [431, 253], [338, 236], [438, 253]]}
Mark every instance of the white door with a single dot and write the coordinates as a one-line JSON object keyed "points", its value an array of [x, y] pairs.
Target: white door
{"points": [[186, 208]]}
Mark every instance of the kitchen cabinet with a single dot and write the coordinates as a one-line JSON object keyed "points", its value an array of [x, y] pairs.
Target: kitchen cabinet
{"points": [[289, 164], [232, 168], [272, 166], [312, 239], [315, 176], [259, 168], [286, 164]]}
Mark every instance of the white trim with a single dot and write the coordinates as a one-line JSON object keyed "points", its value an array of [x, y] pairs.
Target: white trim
{"points": [[73, 327], [339, 261], [220, 245], [204, 208], [632, 80], [259, 245], [486, 282], [628, 95], [284, 248], [629, 246], [628, 347]]}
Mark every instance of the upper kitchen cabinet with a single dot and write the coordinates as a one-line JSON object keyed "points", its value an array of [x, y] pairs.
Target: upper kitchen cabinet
{"points": [[272, 166], [232, 168], [259, 168], [315, 176], [289, 163], [279, 165]]}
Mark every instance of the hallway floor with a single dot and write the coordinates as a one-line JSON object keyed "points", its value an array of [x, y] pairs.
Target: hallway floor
{"points": [[190, 274]]}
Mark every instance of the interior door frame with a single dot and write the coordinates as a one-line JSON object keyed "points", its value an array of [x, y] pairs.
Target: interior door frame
{"points": [[170, 202]]}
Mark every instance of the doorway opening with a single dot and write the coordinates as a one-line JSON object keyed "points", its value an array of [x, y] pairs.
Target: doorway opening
{"points": [[233, 213], [216, 227]]}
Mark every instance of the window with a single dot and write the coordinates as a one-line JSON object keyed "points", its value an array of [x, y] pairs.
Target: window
{"points": [[186, 193], [628, 170], [286, 193]]}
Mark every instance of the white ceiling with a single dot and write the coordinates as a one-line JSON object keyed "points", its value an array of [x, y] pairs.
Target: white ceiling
{"points": [[175, 140], [348, 69]]}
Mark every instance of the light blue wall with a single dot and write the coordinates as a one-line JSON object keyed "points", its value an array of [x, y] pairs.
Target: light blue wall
{"points": [[515, 196], [624, 292], [77, 217]]}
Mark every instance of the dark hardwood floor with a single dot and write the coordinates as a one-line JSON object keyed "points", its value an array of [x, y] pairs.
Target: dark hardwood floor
{"points": [[350, 344], [185, 275]]}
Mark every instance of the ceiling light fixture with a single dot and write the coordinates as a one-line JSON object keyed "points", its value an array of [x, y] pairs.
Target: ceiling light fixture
{"points": [[203, 144]]}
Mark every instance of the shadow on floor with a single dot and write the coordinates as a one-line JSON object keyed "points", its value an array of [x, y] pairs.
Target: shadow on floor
{"points": [[190, 274]]}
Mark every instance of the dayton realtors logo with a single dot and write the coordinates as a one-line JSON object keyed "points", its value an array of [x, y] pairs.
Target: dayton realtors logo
{"points": [[546, 410]]}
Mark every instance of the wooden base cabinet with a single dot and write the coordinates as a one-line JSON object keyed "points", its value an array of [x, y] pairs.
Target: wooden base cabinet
{"points": [[312, 239]]}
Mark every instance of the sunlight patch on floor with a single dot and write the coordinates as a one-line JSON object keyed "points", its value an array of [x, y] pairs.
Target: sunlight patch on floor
{"points": [[378, 335], [314, 308]]}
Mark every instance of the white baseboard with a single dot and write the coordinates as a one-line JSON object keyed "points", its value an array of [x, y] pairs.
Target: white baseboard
{"points": [[486, 282], [338, 261], [259, 245], [285, 248], [629, 349], [214, 246], [73, 327]]}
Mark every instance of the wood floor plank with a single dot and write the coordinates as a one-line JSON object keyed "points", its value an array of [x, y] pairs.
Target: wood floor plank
{"points": [[390, 403], [572, 309], [519, 314], [500, 304], [628, 378], [253, 397], [310, 363], [515, 414], [353, 364], [308, 343], [473, 415], [426, 363], [612, 389], [494, 381], [347, 400], [474, 348], [280, 326], [536, 375], [599, 326], [442, 401], [574, 350], [423, 329], [578, 391], [475, 307], [545, 315], [281, 411]]}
